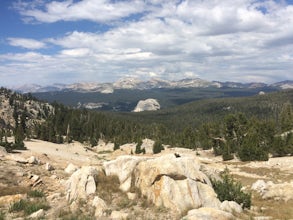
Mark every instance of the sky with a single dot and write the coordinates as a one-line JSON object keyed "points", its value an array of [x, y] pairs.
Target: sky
{"points": [[69, 41]]}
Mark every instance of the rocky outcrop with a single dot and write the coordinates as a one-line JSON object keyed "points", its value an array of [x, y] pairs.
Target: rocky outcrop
{"points": [[103, 146], [147, 145], [206, 213], [270, 190], [123, 167], [82, 183], [147, 105], [175, 182]]}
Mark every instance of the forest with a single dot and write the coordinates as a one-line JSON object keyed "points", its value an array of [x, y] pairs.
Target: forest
{"points": [[250, 128]]}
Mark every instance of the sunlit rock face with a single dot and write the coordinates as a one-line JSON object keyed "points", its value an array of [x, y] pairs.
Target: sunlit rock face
{"points": [[147, 105]]}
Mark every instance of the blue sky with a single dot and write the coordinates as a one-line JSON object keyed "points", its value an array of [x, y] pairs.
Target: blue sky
{"points": [[68, 41]]}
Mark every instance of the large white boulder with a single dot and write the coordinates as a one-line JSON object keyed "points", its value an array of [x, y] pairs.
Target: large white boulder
{"points": [[175, 182], [82, 183], [147, 105], [123, 167]]}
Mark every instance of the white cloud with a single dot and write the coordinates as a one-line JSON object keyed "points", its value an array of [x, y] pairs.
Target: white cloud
{"points": [[69, 10], [216, 40], [26, 43]]}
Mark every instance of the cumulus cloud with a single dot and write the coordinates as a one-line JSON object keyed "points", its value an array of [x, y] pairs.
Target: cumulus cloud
{"points": [[26, 43], [244, 40], [69, 10]]}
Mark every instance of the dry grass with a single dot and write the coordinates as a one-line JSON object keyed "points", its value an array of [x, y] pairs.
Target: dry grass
{"points": [[275, 209], [107, 186], [267, 207], [13, 190]]}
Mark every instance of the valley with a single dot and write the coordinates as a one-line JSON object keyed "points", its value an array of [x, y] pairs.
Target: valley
{"points": [[212, 158]]}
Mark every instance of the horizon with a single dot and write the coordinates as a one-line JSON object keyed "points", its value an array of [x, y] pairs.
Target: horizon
{"points": [[80, 41], [23, 86]]}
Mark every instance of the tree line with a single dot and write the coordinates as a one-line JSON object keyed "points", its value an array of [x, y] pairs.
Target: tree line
{"points": [[238, 133]]}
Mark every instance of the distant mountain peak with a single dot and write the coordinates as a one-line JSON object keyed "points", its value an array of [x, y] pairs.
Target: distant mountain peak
{"points": [[136, 83]]}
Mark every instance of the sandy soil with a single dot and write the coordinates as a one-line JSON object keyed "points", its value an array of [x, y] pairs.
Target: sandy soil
{"points": [[75, 152]]}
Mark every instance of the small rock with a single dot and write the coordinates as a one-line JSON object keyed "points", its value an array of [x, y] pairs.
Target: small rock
{"points": [[38, 214], [100, 205], [33, 160], [262, 218], [119, 215], [19, 174], [74, 206], [54, 177], [231, 206], [49, 167], [3, 151], [54, 196], [71, 168], [131, 196], [91, 185], [259, 186], [35, 180]]}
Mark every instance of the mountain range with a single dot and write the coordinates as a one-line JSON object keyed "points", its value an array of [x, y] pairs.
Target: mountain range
{"points": [[135, 83]]}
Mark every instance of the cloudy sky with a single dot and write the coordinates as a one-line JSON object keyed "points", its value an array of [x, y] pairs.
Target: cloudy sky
{"points": [[67, 41]]}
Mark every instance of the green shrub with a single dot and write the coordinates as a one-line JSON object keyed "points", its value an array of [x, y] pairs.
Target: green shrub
{"points": [[28, 207], [35, 194], [252, 149], [18, 206], [230, 190], [2, 216], [158, 147]]}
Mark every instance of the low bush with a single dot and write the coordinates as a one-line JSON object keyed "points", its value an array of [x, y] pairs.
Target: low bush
{"points": [[35, 194], [230, 190], [28, 207]]}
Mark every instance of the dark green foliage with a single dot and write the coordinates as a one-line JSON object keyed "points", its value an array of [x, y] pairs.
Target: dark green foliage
{"points": [[230, 190], [28, 207], [116, 146], [2, 216], [36, 194], [252, 151], [19, 138], [227, 155], [286, 117], [138, 149], [126, 99], [158, 147], [249, 127]]}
